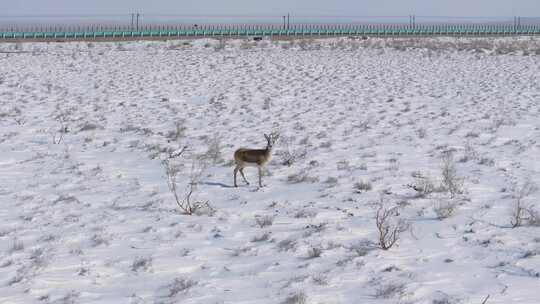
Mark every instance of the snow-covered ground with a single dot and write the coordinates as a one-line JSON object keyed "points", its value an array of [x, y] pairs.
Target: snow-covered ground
{"points": [[87, 217]]}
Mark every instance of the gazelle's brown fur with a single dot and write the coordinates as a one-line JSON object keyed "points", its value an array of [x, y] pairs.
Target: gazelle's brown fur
{"points": [[254, 158]]}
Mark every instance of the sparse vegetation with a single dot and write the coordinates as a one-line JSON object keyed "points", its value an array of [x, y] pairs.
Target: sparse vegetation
{"points": [[389, 225], [320, 279], [286, 245], [180, 285], [444, 208], [214, 150], [141, 264], [96, 208], [179, 131], [186, 203], [59, 133], [314, 252], [363, 247], [16, 245], [296, 298], [523, 213], [303, 176], [265, 236], [389, 290], [264, 220], [343, 165], [290, 153], [451, 182], [423, 185], [362, 186]]}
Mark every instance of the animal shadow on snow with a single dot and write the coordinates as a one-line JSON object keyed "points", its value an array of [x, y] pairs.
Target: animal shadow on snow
{"points": [[222, 185]]}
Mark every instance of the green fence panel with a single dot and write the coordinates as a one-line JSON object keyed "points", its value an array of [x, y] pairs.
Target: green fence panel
{"points": [[298, 30]]}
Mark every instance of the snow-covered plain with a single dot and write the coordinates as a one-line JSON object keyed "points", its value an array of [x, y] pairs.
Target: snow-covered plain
{"points": [[86, 215]]}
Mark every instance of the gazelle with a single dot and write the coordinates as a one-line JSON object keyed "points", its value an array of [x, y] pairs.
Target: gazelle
{"points": [[254, 158]]}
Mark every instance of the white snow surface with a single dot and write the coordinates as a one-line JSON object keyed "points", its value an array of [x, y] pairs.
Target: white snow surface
{"points": [[91, 220]]}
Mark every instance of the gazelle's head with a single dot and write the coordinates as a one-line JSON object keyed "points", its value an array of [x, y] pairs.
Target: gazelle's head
{"points": [[271, 140]]}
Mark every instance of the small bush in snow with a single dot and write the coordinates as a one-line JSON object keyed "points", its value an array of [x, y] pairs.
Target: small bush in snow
{"points": [[423, 185], [444, 209], [141, 263], [305, 44], [320, 279], [522, 212], [214, 150], [305, 213], [16, 246], [469, 153], [236, 252], [286, 245], [6, 263], [451, 182], [287, 45], [314, 252], [421, 132], [534, 217], [362, 186], [446, 299], [316, 228], [246, 45], [343, 165], [302, 177], [291, 154], [331, 181], [222, 43], [38, 258], [393, 164], [16, 114], [58, 134], [261, 237], [363, 247], [296, 298], [178, 132], [486, 161], [389, 225], [390, 290], [97, 240], [69, 298], [186, 204], [180, 285], [264, 221], [326, 144], [88, 126]]}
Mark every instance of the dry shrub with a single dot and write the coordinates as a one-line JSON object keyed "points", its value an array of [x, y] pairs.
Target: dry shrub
{"points": [[186, 203], [444, 209], [362, 186], [389, 225], [423, 185], [296, 298], [451, 182], [523, 213], [290, 153]]}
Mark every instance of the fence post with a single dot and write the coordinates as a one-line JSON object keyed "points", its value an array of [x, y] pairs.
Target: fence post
{"points": [[288, 20]]}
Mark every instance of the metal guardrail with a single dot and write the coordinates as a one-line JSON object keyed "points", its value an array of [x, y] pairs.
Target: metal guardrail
{"points": [[296, 30]]}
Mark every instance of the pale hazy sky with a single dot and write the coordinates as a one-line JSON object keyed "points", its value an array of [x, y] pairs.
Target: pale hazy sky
{"points": [[270, 7]]}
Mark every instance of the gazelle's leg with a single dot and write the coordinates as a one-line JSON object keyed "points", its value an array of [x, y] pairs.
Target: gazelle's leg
{"points": [[243, 176], [260, 178], [235, 171]]}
